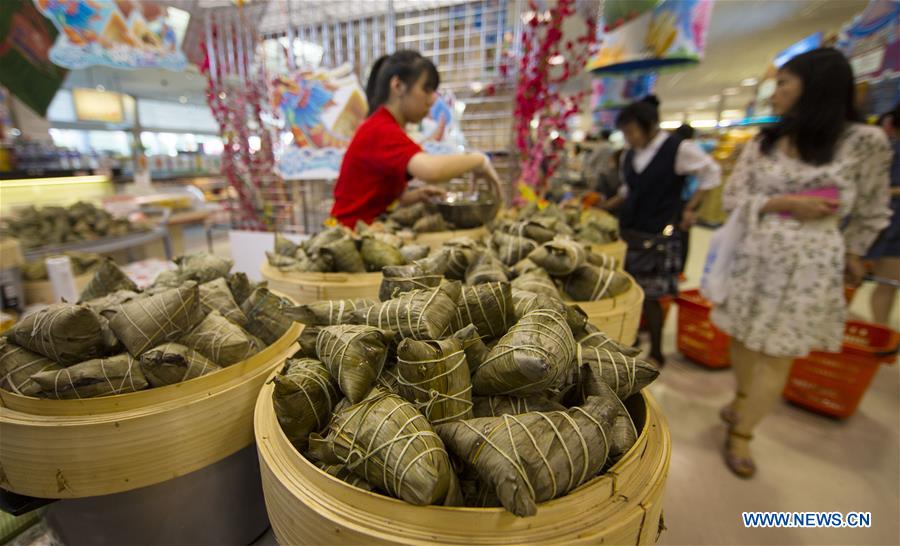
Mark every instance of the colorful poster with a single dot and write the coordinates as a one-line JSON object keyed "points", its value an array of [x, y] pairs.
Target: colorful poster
{"points": [[25, 67], [440, 132], [872, 41], [120, 33], [671, 35], [320, 110], [615, 92]]}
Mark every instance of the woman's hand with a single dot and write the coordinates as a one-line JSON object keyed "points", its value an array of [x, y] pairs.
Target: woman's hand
{"points": [[486, 170], [422, 194], [854, 270], [803, 207]]}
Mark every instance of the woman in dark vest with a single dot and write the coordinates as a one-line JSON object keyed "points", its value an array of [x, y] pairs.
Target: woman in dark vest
{"points": [[654, 173]]}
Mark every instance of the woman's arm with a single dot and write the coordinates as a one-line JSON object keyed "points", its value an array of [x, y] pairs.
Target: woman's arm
{"points": [[871, 211], [435, 169]]}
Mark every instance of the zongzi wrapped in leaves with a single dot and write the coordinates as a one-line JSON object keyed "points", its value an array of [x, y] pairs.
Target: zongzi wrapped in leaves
{"points": [[317, 241], [107, 279], [531, 229], [341, 472], [202, 267], [412, 253], [532, 358], [166, 279], [387, 442], [403, 278], [600, 259], [18, 364], [495, 406], [344, 255], [488, 306], [265, 315], [354, 355], [476, 350], [307, 341], [625, 375], [111, 300], [624, 434], [216, 296], [523, 266], [559, 257], [431, 223], [280, 261], [222, 341], [172, 363], [535, 457], [525, 302], [284, 246], [536, 282], [97, 377], [591, 283], [240, 287], [407, 216], [591, 336], [378, 254], [304, 396], [65, 333], [419, 314], [599, 230], [512, 248], [460, 253], [318, 262], [434, 377], [327, 312], [144, 323], [486, 268]]}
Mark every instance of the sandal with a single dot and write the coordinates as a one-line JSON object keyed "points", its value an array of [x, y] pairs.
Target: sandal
{"points": [[728, 414], [743, 467]]}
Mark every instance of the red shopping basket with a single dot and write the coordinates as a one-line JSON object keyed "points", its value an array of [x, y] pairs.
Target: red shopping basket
{"points": [[833, 384], [698, 339]]}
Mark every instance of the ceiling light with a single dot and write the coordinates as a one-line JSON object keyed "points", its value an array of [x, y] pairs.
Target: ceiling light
{"points": [[730, 91], [749, 82], [100, 88], [704, 123], [670, 124], [556, 60]]}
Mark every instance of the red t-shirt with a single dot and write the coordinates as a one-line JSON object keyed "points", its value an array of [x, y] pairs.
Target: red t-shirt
{"points": [[373, 172]]}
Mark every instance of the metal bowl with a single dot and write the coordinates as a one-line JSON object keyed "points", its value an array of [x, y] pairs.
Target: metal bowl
{"points": [[467, 210]]}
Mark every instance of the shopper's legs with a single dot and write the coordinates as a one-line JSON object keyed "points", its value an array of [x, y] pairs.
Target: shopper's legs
{"points": [[884, 296], [742, 363], [654, 315], [767, 382]]}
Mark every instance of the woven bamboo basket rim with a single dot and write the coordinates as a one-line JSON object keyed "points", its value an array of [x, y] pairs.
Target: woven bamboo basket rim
{"points": [[149, 399], [380, 516], [320, 279]]}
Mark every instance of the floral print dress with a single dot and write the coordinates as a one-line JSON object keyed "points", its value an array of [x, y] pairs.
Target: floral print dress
{"points": [[786, 294]]}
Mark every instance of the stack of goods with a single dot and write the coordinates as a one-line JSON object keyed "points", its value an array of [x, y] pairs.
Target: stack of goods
{"points": [[420, 218], [117, 339], [458, 395], [48, 226], [340, 250], [82, 263]]}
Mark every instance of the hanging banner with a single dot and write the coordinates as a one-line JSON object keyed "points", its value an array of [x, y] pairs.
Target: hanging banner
{"points": [[618, 12], [872, 44], [616, 92], [120, 34], [671, 35], [25, 67], [320, 110]]}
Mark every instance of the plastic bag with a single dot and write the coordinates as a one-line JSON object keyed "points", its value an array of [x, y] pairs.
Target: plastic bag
{"points": [[717, 269]]}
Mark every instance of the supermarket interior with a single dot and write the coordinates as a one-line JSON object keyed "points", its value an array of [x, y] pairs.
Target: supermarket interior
{"points": [[449, 272]]}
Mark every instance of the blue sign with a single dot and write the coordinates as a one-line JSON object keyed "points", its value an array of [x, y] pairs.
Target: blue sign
{"points": [[806, 44]]}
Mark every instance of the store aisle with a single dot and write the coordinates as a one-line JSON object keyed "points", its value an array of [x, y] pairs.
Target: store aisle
{"points": [[806, 462]]}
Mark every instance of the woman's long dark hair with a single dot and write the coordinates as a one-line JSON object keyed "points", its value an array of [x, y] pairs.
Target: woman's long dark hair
{"points": [[645, 113], [406, 65], [825, 107]]}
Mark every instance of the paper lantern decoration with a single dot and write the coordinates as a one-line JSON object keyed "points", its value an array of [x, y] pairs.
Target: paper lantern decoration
{"points": [[671, 35]]}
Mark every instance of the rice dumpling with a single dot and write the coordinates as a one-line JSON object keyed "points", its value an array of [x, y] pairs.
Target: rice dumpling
{"points": [[600, 259], [97, 377], [172, 363], [144, 323], [623, 374], [431, 223], [495, 406], [240, 287], [535, 457], [317, 262], [591, 336], [216, 296], [304, 396], [111, 300], [107, 279], [280, 261], [354, 355], [222, 341], [512, 248], [378, 254], [167, 279], [344, 255], [524, 302], [523, 266], [265, 315], [419, 314], [326, 312], [536, 282], [624, 434], [460, 253], [407, 216], [307, 341], [486, 268], [284, 246], [202, 267], [412, 253], [591, 283], [532, 358], [559, 257], [387, 442], [403, 278], [65, 333], [18, 364], [488, 306], [434, 377], [341, 472], [317, 241], [476, 350]]}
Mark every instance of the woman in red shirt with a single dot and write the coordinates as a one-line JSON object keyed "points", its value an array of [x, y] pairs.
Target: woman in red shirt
{"points": [[381, 158]]}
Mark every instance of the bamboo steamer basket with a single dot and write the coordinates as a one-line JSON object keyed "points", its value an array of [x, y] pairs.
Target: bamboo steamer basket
{"points": [[308, 506], [616, 249], [42, 291], [618, 317], [437, 239], [98, 446], [311, 287]]}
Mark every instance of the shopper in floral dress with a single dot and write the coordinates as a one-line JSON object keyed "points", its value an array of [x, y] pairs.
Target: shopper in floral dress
{"points": [[794, 187]]}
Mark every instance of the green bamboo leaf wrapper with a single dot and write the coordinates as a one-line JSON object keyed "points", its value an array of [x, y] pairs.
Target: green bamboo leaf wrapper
{"points": [[222, 341], [378, 254], [216, 296], [65, 333], [354, 355], [144, 323], [172, 363], [18, 364], [434, 377], [107, 279], [327, 312], [97, 377], [495, 406], [304, 397], [265, 315], [488, 306], [419, 314], [591, 283]]}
